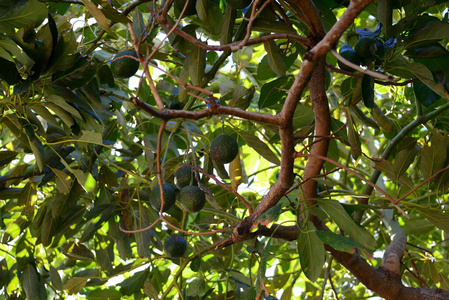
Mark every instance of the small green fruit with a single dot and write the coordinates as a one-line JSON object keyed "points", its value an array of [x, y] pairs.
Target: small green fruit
{"points": [[169, 197], [175, 246], [223, 149], [184, 176], [125, 67], [365, 47], [192, 198]]}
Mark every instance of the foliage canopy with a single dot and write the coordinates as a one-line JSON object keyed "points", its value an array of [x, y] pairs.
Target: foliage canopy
{"points": [[339, 182]]}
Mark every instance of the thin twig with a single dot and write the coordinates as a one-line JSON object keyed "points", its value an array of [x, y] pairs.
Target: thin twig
{"points": [[364, 71]]}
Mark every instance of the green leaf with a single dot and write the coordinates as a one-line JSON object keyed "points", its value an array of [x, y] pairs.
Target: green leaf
{"points": [[196, 64], [75, 284], [439, 218], [264, 72], [22, 13], [426, 76], [273, 91], [97, 14], [56, 280], [424, 94], [9, 72], [63, 181], [404, 159], [7, 156], [144, 238], [138, 23], [104, 251], [105, 294], [390, 171], [133, 284], [356, 232], [110, 12], [241, 97], [202, 8], [311, 251], [275, 60], [303, 116], [238, 277], [79, 252], [433, 156], [265, 25], [259, 146], [28, 194], [228, 25], [48, 228], [33, 284], [339, 242], [354, 139], [428, 32], [368, 91]]}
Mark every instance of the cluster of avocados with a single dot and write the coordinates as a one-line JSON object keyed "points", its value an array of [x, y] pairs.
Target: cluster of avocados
{"points": [[223, 149], [368, 51]]}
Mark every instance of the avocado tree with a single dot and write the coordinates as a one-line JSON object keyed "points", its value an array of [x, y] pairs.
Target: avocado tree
{"points": [[223, 149]]}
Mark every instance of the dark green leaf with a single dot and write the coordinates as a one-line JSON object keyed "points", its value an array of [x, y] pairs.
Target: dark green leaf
{"points": [[9, 72], [134, 283], [196, 64], [368, 91], [28, 194], [22, 13], [33, 284], [265, 25], [79, 252], [424, 94], [7, 156], [56, 280], [228, 25], [429, 32]]}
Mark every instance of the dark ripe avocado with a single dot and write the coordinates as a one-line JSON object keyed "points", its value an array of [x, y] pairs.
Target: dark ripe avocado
{"points": [[223, 149], [169, 197], [175, 246], [184, 176], [125, 67], [365, 47], [192, 198], [350, 54], [191, 7]]}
